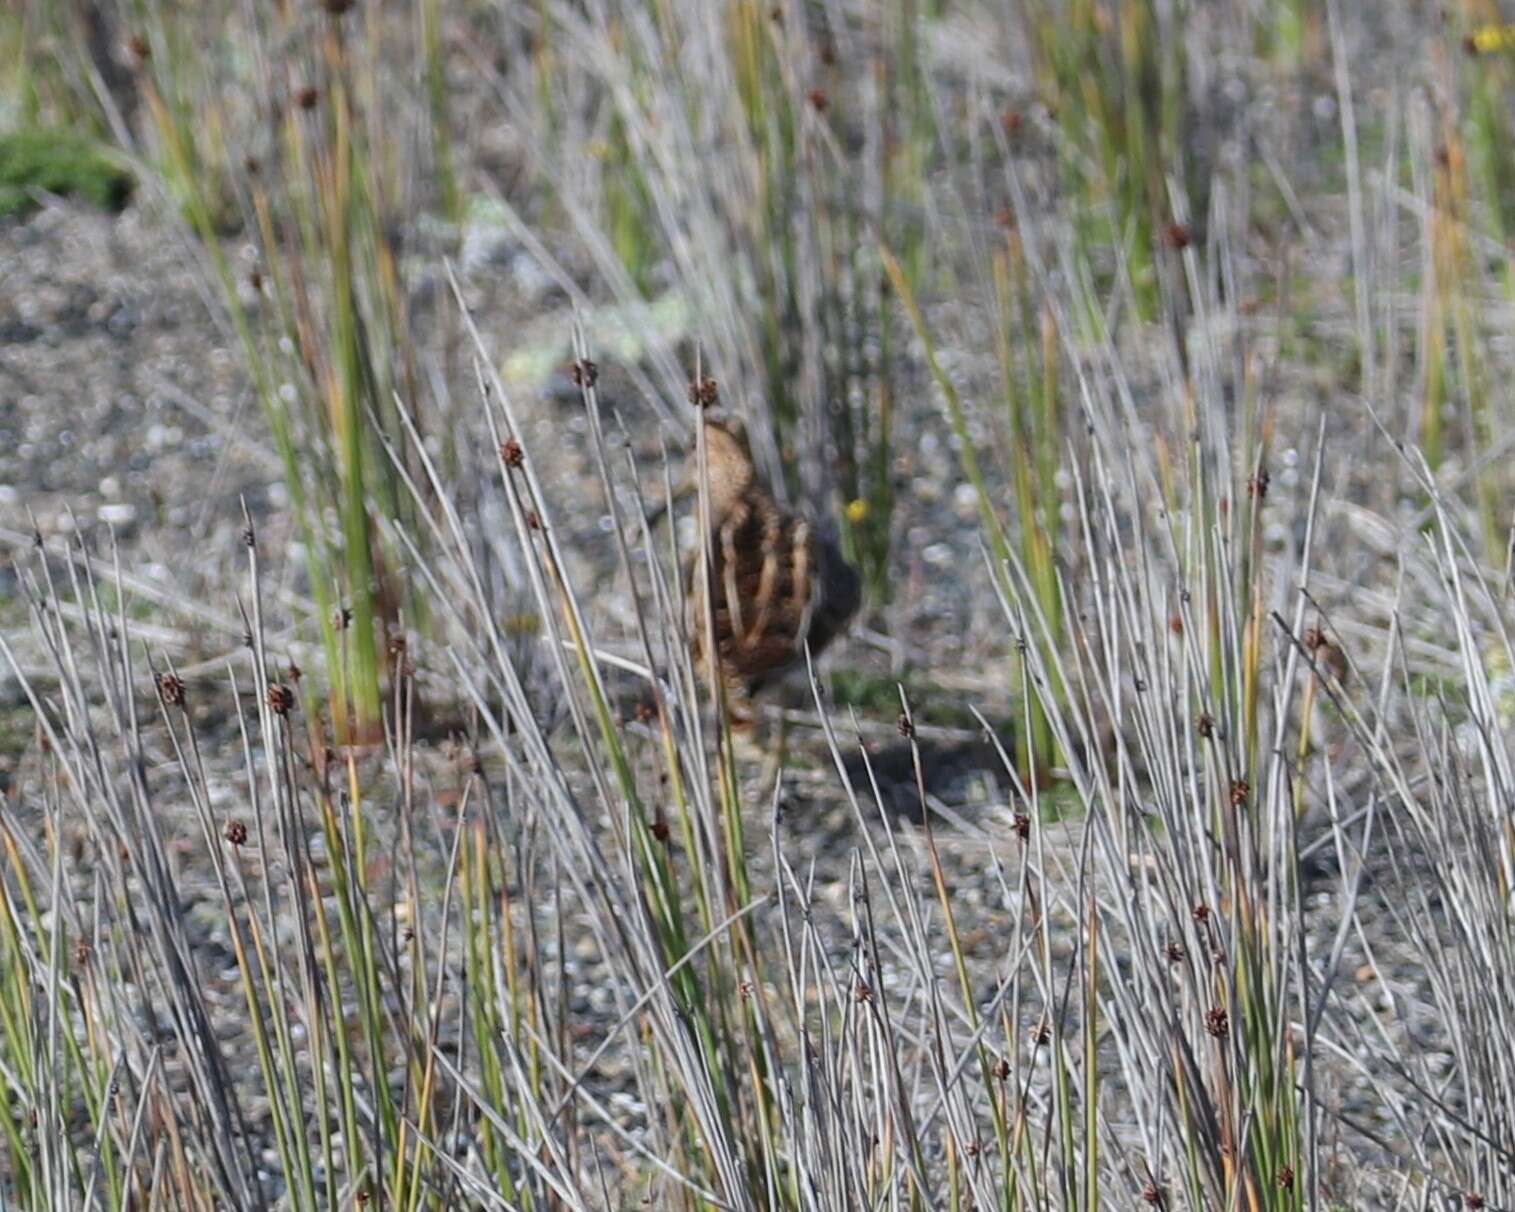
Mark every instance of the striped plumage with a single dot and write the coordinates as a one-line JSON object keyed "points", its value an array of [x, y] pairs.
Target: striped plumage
{"points": [[777, 582]]}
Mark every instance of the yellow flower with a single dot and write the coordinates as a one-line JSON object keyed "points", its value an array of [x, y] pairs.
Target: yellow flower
{"points": [[857, 510], [1493, 38]]}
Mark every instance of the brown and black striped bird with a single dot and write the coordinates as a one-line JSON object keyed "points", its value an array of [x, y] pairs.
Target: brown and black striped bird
{"points": [[776, 582]]}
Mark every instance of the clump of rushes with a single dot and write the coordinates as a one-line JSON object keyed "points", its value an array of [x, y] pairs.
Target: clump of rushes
{"points": [[324, 330], [745, 151], [1027, 358], [1117, 83]]}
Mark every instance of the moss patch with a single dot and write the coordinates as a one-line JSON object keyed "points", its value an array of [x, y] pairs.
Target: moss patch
{"points": [[60, 162]]}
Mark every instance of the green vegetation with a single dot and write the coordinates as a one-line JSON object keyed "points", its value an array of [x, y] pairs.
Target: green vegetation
{"points": [[58, 162], [1218, 387]]}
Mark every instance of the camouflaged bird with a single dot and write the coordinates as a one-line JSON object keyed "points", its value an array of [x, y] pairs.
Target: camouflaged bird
{"points": [[776, 582]]}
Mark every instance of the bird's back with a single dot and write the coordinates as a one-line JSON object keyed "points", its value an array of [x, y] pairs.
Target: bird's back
{"points": [[776, 584]]}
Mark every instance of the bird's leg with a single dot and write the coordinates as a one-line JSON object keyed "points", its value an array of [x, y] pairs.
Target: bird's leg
{"points": [[741, 717], [773, 759]]}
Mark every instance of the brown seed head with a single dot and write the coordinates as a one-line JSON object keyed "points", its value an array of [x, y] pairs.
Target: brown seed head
{"points": [[141, 52], [703, 392], [82, 952], [281, 699], [1011, 121], [1176, 237], [341, 617], [171, 689], [511, 453], [1239, 792], [1257, 486], [1218, 1022], [236, 832], [1021, 823], [1039, 1032], [295, 672], [1473, 1199], [1205, 725], [584, 373], [1002, 1069], [818, 100], [861, 992], [1201, 913], [1328, 656], [1285, 1178], [906, 726], [306, 96], [1152, 1194], [1175, 952], [336, 8]]}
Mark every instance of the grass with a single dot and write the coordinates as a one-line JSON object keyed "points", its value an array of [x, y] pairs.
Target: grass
{"points": [[58, 162], [1229, 927]]}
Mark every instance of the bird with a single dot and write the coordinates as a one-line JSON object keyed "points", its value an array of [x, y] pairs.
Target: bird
{"points": [[776, 582]]}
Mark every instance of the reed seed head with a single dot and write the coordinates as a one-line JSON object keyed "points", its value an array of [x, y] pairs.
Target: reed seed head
{"points": [[170, 689]]}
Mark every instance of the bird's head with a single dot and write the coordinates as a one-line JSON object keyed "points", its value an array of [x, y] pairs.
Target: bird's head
{"points": [[728, 464]]}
